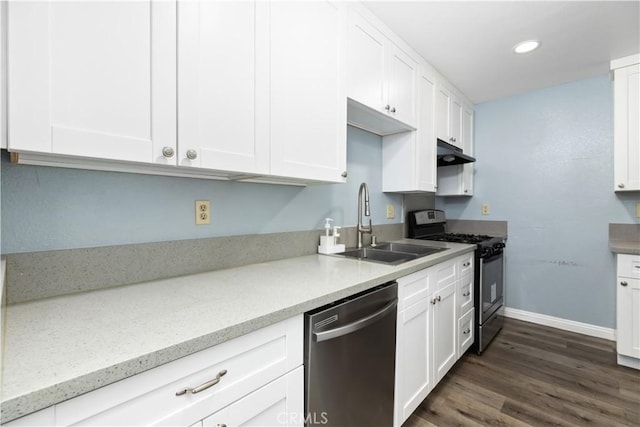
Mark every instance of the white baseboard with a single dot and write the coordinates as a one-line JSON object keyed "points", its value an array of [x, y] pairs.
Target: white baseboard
{"points": [[564, 324]]}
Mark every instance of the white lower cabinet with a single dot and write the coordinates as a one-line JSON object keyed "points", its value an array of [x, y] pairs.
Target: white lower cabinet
{"points": [[445, 327], [430, 333], [263, 367], [628, 310], [279, 403], [413, 344]]}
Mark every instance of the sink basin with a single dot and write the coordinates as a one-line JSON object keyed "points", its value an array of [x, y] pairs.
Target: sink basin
{"points": [[377, 255], [408, 248], [391, 253]]}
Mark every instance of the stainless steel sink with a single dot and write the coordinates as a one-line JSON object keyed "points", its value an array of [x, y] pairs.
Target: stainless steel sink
{"points": [[391, 253], [408, 248]]}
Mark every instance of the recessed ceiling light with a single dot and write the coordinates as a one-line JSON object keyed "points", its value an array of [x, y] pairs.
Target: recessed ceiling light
{"points": [[526, 46]]}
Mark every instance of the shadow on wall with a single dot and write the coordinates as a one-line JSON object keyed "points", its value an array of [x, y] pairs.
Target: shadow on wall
{"points": [[46, 208]]}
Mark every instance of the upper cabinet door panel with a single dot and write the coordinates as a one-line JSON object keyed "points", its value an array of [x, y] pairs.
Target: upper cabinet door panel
{"points": [[366, 63], [403, 71], [443, 113], [217, 86], [93, 79], [307, 104]]}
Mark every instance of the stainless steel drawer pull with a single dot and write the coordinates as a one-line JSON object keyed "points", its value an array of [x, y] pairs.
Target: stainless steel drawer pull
{"points": [[624, 283], [221, 425], [203, 386], [466, 294], [466, 264], [466, 331]]}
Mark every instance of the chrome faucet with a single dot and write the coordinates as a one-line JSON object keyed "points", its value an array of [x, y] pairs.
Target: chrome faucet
{"points": [[367, 212]]}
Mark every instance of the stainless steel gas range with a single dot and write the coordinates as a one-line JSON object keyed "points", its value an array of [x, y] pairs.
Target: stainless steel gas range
{"points": [[429, 224]]}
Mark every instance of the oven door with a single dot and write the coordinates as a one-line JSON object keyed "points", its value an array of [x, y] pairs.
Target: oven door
{"points": [[491, 285]]}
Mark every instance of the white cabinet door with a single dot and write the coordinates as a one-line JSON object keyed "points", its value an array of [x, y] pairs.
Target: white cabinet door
{"points": [[443, 112], [409, 158], [456, 121], [627, 128], [307, 106], [279, 403], [413, 367], [467, 147], [401, 89], [366, 63], [93, 79], [426, 139], [444, 331], [628, 316], [221, 111]]}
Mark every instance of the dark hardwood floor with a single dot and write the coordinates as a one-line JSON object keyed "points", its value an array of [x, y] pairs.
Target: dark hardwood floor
{"points": [[532, 375]]}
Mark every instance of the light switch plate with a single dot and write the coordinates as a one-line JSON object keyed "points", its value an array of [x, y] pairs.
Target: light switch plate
{"points": [[391, 212]]}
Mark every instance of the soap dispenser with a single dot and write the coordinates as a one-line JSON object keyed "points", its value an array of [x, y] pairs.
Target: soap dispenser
{"points": [[329, 242]]}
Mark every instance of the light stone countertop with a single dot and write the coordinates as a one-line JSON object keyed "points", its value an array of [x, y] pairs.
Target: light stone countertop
{"points": [[624, 247], [61, 347]]}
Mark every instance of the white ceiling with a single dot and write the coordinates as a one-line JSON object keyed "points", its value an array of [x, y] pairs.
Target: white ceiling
{"points": [[470, 42]]}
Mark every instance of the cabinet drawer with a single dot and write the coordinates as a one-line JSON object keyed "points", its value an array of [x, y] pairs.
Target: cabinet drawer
{"points": [[465, 263], [412, 288], [445, 273], [465, 294], [628, 265], [150, 398], [465, 332]]}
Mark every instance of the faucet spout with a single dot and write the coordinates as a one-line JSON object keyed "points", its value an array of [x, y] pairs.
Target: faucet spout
{"points": [[363, 191]]}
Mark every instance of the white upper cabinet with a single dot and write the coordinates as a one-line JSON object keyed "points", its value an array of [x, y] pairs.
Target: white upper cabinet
{"points": [[221, 113], [457, 180], [94, 79], [307, 103], [448, 115], [381, 80], [627, 123], [409, 158]]}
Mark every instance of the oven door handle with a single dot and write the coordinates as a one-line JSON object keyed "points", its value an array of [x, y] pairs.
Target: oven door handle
{"points": [[491, 257]]}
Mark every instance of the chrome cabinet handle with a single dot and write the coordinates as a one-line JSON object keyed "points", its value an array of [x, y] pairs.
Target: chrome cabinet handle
{"points": [[466, 264], [438, 298], [192, 154], [434, 301], [344, 174], [466, 294], [168, 152], [221, 425], [387, 107], [393, 110], [466, 331], [203, 386], [624, 283], [620, 185]]}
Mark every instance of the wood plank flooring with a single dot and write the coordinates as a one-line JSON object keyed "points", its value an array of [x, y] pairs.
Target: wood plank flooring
{"points": [[533, 375]]}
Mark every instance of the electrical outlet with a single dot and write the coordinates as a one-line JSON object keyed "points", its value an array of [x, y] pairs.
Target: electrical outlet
{"points": [[637, 210], [391, 211], [203, 212], [485, 209]]}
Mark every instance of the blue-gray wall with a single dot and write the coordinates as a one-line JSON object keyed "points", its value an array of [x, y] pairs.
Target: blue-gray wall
{"points": [[545, 165], [47, 208]]}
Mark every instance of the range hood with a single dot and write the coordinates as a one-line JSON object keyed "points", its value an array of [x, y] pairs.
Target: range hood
{"points": [[449, 155]]}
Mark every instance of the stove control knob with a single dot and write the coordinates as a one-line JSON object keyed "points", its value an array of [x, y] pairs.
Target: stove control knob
{"points": [[486, 252]]}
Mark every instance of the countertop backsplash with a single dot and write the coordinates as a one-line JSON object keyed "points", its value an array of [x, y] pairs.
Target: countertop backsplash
{"points": [[35, 275]]}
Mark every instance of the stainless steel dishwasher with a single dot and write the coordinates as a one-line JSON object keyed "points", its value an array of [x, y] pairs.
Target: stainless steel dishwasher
{"points": [[349, 362]]}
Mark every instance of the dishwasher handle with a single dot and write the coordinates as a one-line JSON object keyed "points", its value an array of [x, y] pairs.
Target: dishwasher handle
{"points": [[355, 326]]}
